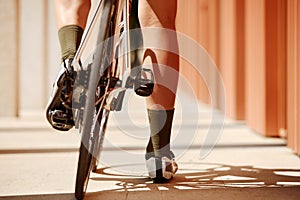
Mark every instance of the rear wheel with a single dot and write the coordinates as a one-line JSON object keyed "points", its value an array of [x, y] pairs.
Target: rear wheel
{"points": [[92, 119], [100, 139]]}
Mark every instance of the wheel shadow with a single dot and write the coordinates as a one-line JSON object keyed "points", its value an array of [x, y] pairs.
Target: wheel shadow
{"points": [[209, 180]]}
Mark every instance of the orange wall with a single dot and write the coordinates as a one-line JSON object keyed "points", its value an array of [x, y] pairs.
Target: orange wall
{"points": [[265, 62], [192, 20], [245, 40]]}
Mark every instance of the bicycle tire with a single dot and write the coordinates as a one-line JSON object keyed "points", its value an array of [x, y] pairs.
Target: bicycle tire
{"points": [[90, 122], [104, 113]]}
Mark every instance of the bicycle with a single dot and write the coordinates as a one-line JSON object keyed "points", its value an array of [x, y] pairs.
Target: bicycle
{"points": [[102, 79]]}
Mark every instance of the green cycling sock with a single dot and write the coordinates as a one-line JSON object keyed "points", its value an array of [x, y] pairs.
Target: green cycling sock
{"points": [[69, 38], [160, 128]]}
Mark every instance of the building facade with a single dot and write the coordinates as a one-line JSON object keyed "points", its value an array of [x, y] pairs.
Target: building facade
{"points": [[254, 43]]}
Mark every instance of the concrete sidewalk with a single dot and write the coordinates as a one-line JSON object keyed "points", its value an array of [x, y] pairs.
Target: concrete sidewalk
{"points": [[37, 162]]}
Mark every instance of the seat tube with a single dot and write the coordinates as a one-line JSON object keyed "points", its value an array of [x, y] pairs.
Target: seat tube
{"points": [[126, 35]]}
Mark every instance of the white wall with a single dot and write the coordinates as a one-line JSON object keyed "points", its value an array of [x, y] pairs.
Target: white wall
{"points": [[39, 54], [9, 58]]}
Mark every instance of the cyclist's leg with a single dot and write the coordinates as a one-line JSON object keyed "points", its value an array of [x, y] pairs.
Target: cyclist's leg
{"points": [[161, 14], [72, 12], [71, 17]]}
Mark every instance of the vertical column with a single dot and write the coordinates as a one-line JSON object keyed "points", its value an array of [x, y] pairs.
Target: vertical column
{"points": [[240, 59], [201, 9], [272, 67], [275, 66], [213, 50], [282, 63], [9, 56], [255, 65], [231, 55], [298, 81], [293, 82], [265, 65]]}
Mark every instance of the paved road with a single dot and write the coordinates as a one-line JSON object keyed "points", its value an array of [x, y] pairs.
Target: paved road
{"points": [[37, 162]]}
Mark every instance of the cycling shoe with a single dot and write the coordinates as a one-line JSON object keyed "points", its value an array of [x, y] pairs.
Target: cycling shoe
{"points": [[161, 169], [59, 108]]}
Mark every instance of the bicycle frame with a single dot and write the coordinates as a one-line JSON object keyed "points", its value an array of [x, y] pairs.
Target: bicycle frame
{"points": [[123, 6]]}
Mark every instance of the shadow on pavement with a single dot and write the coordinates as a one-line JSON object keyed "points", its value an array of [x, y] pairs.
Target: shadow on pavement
{"points": [[206, 181], [193, 181]]}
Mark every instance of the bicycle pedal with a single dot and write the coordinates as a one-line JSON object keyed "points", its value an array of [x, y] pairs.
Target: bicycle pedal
{"points": [[144, 82]]}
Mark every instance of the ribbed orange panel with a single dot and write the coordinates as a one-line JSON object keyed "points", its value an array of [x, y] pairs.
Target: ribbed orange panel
{"points": [[265, 66], [202, 29], [297, 149], [293, 75], [255, 65], [282, 63], [231, 55], [273, 65]]}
